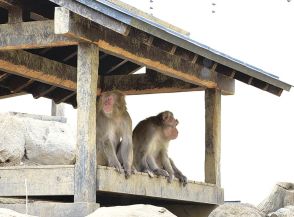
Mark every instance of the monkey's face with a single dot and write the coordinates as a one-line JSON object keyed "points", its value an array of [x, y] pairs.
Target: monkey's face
{"points": [[107, 103], [170, 125], [169, 120]]}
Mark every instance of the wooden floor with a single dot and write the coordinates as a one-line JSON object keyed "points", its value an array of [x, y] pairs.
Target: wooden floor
{"points": [[59, 181]]}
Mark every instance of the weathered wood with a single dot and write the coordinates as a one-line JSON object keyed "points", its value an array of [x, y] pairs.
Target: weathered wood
{"points": [[151, 82], [57, 109], [93, 15], [38, 68], [59, 180], [20, 87], [45, 180], [64, 76], [87, 78], [69, 24], [108, 180], [46, 209], [36, 34], [15, 15], [212, 136], [8, 4]]}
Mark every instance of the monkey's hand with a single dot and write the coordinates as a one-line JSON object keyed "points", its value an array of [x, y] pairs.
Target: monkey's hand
{"points": [[160, 172]]}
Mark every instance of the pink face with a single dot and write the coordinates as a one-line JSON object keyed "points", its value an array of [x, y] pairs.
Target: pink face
{"points": [[170, 126], [107, 103]]}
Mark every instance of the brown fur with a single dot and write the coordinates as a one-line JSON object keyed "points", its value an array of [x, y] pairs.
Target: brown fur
{"points": [[151, 138], [114, 133]]}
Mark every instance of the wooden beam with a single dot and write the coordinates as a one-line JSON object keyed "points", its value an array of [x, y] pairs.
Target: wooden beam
{"points": [[151, 82], [36, 34], [15, 15], [71, 25], [212, 136], [49, 72], [95, 16], [85, 168], [20, 87], [43, 93], [38, 68], [8, 4]]}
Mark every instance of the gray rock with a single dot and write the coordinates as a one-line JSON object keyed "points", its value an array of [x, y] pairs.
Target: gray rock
{"points": [[11, 213], [49, 142], [236, 210], [287, 211], [139, 210], [12, 140]]}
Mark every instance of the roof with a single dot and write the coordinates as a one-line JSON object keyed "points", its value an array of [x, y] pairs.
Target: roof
{"points": [[133, 17], [128, 39]]}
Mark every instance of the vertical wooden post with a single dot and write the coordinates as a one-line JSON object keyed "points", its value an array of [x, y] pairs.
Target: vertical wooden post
{"points": [[212, 136], [85, 168], [57, 110], [15, 15]]}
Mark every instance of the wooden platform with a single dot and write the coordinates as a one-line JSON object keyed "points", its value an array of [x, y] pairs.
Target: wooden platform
{"points": [[59, 181]]}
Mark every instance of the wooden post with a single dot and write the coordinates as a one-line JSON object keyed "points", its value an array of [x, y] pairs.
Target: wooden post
{"points": [[85, 168], [57, 109], [212, 136], [15, 15]]}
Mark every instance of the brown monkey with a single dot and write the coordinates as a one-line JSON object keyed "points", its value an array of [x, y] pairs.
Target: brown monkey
{"points": [[151, 138], [114, 132]]}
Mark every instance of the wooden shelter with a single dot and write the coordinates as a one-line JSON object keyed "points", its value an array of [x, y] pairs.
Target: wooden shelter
{"points": [[70, 51]]}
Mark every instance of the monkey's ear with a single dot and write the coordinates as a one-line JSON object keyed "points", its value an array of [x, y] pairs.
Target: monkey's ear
{"points": [[164, 116]]}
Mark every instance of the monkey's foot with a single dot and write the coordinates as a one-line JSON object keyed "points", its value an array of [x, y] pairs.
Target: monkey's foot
{"points": [[160, 172], [117, 167], [150, 174], [170, 178], [183, 179], [128, 173]]}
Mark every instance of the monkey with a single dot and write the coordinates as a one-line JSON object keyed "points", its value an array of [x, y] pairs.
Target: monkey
{"points": [[151, 139], [114, 133]]}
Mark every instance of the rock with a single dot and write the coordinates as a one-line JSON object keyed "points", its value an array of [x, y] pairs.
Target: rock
{"points": [[35, 140], [287, 211], [236, 210], [49, 142], [12, 140], [11, 213], [139, 210], [282, 195]]}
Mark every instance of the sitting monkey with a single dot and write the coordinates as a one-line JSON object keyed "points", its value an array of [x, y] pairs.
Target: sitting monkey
{"points": [[151, 138], [114, 133]]}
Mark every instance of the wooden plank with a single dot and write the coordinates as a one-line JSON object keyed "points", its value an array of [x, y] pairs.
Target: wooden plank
{"points": [[64, 76], [45, 180], [212, 136], [38, 68], [20, 87], [69, 24], [59, 180], [8, 4], [36, 34], [15, 15], [53, 209], [87, 78], [108, 180], [151, 82], [95, 16]]}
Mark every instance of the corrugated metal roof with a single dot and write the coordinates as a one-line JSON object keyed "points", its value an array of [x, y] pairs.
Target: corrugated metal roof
{"points": [[160, 30]]}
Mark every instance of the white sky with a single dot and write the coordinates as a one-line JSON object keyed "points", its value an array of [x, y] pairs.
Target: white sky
{"points": [[257, 127]]}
